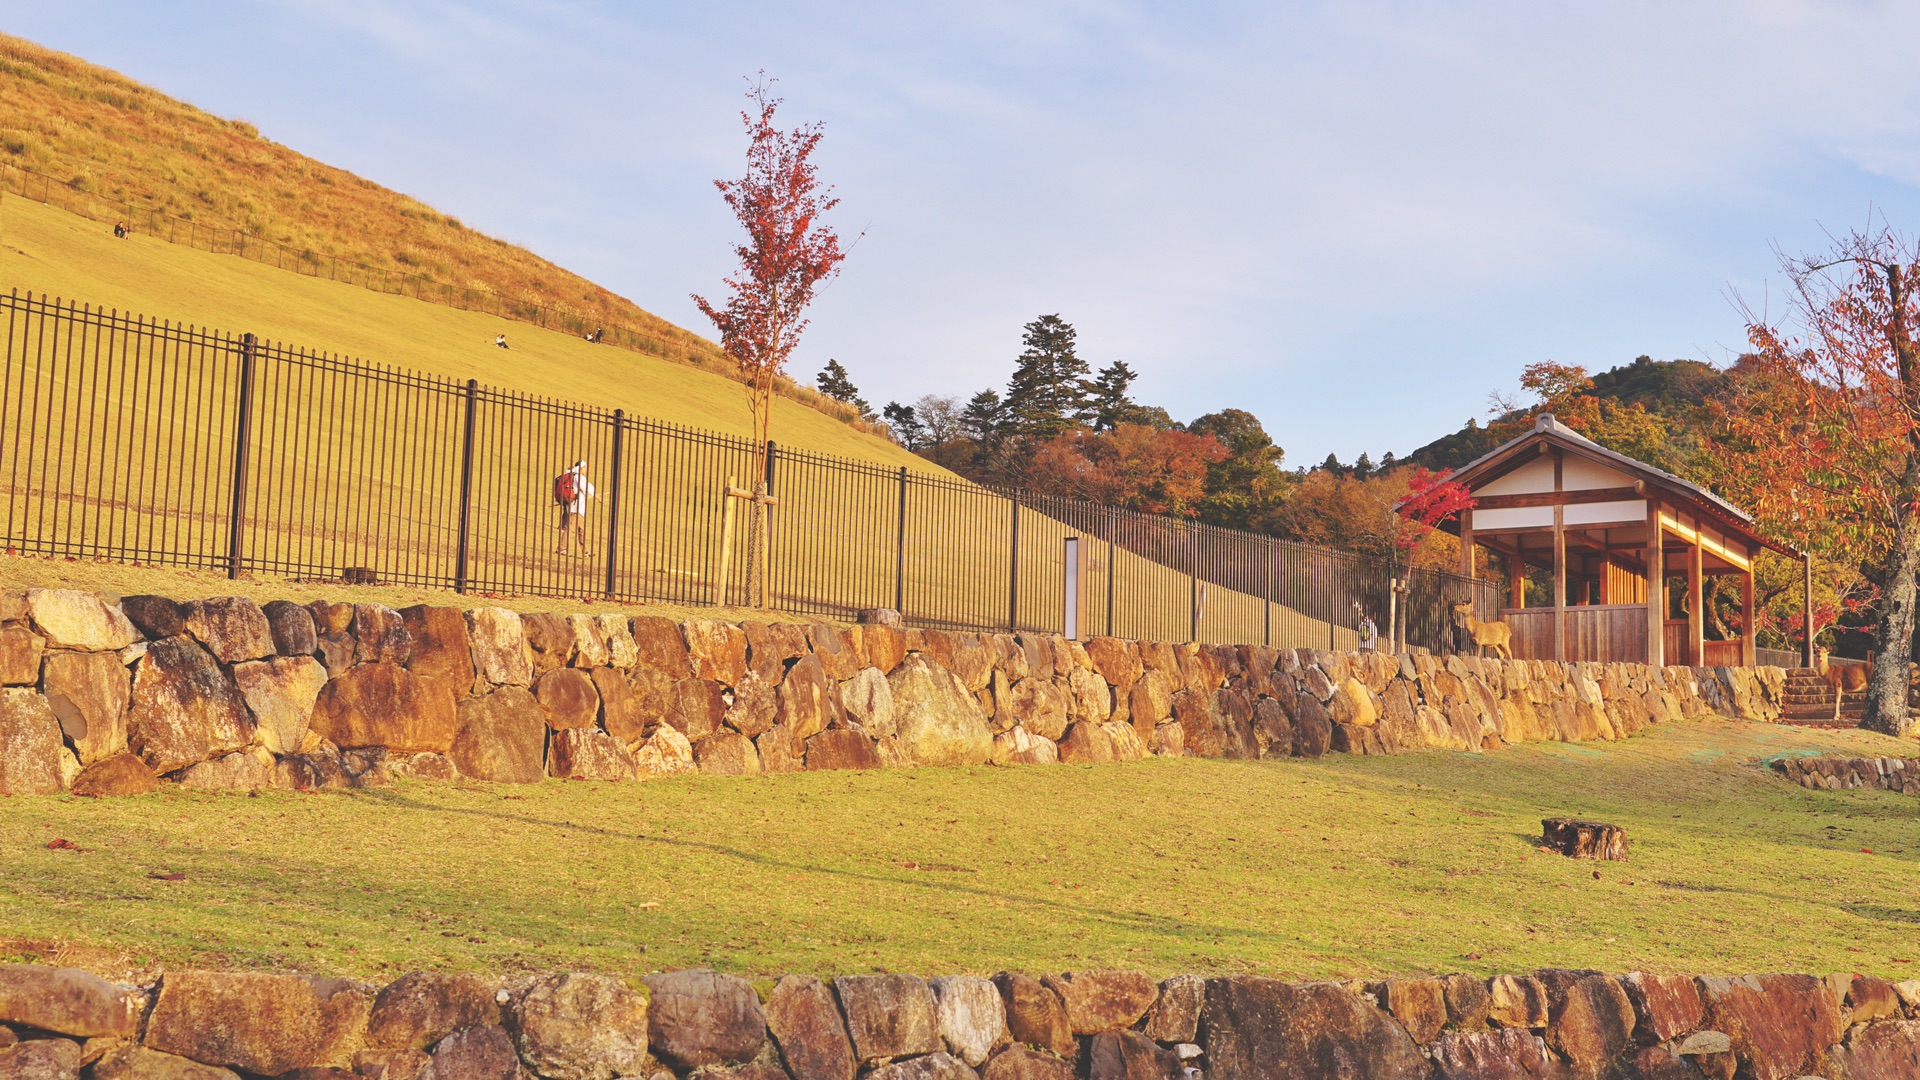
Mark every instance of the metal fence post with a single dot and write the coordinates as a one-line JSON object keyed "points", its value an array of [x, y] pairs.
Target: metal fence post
{"points": [[466, 487], [242, 437], [1193, 584], [1266, 594], [613, 498], [1013, 570], [900, 550]]}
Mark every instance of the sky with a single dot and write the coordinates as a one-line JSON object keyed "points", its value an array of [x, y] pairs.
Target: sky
{"points": [[1354, 219]]}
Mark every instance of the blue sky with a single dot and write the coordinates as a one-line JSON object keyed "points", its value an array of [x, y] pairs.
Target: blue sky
{"points": [[1353, 219]]}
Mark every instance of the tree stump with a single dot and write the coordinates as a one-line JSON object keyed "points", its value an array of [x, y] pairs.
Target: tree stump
{"points": [[1578, 839]]}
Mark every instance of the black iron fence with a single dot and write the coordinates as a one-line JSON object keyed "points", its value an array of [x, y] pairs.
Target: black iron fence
{"points": [[127, 439]]}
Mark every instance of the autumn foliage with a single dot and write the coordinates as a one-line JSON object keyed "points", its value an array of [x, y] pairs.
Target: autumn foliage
{"points": [[787, 253], [1132, 466]]}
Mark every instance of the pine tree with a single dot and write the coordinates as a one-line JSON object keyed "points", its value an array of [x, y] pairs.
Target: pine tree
{"points": [[834, 383], [1362, 466], [981, 419], [905, 424], [1108, 404], [1047, 392]]}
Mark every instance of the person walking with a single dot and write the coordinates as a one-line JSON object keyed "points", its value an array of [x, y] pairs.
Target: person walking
{"points": [[571, 490]]}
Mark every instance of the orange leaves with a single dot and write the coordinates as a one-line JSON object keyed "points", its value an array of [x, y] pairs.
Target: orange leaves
{"points": [[1135, 466]]}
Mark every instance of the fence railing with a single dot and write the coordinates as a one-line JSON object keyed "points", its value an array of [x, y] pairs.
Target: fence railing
{"points": [[127, 439]]}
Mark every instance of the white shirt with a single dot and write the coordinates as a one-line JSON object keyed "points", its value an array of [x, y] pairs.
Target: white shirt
{"points": [[582, 491]]}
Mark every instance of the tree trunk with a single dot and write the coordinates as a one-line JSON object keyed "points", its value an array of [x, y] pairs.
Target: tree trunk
{"points": [[756, 545], [1887, 709]]}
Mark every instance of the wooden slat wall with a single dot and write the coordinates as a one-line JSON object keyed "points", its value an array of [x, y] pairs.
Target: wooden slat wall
{"points": [[1613, 634], [1532, 633]]}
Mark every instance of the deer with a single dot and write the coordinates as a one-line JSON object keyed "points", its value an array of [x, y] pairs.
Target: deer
{"points": [[1495, 635], [1843, 678]]}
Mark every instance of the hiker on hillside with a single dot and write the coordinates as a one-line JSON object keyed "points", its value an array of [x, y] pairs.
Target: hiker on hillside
{"points": [[120, 229], [500, 342], [571, 490]]}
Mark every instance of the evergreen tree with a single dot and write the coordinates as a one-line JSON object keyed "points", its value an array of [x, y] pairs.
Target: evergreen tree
{"points": [[1048, 391], [1108, 404], [981, 419], [1332, 465], [905, 425], [1362, 466], [834, 383]]}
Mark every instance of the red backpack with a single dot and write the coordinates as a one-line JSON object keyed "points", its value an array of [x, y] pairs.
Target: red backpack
{"points": [[566, 488]]}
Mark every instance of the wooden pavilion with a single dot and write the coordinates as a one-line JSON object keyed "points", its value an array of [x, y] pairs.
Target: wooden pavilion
{"points": [[1603, 526]]}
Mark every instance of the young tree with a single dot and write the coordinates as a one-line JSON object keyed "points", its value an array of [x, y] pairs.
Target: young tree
{"points": [[982, 418], [1047, 392], [788, 252], [833, 382], [1822, 434]]}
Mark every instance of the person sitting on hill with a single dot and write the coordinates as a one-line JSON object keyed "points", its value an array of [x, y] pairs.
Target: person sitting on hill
{"points": [[500, 342], [595, 336], [120, 229]]}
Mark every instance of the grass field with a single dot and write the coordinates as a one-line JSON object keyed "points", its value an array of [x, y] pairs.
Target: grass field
{"points": [[1343, 866]]}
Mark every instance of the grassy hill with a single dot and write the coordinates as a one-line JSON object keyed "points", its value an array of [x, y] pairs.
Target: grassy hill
{"points": [[43, 249], [100, 133]]}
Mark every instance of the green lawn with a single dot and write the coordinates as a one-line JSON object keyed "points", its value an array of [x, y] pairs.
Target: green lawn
{"points": [[1338, 867]]}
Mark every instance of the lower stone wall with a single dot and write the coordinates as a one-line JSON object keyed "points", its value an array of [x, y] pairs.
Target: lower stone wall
{"points": [[1833, 772], [103, 695], [1102, 1025]]}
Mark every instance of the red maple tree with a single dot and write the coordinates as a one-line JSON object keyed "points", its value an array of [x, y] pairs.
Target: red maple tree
{"points": [[787, 253], [1822, 435]]}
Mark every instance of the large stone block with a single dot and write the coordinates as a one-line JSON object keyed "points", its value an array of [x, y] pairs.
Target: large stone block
{"points": [[550, 639], [382, 704], [625, 713], [1129, 1055], [665, 752], [121, 774], [588, 754], [868, 700], [808, 701], [1035, 1014], [939, 1066], [481, 1052], [438, 648], [575, 1026], [41, 1059], [1590, 1021], [1264, 1027], [1780, 1025], [131, 1061], [700, 1018], [502, 737], [1504, 1054], [569, 697], [889, 1016], [1666, 1006], [939, 722], [805, 1022], [1175, 1016], [755, 704], [20, 653], [89, 693], [258, 1022], [233, 628], [1887, 1049], [1039, 706], [588, 647], [971, 1016], [281, 694], [698, 708], [155, 617], [380, 635], [1103, 1000], [184, 710], [727, 753], [718, 650], [67, 1001], [78, 620], [842, 748], [420, 1008], [1020, 1063], [290, 624], [244, 770], [660, 646], [499, 646]]}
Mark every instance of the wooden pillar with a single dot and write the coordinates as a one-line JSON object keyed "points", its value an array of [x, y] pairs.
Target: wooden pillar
{"points": [[1747, 644], [1466, 546], [1559, 569], [1696, 614], [1517, 571], [1806, 610], [1656, 588]]}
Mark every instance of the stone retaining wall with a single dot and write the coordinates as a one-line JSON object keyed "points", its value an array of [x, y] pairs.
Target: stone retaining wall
{"points": [[1833, 772], [108, 696], [1102, 1025]]}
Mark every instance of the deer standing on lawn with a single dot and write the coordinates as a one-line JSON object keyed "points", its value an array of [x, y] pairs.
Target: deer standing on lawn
{"points": [[1844, 678], [1495, 635]]}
